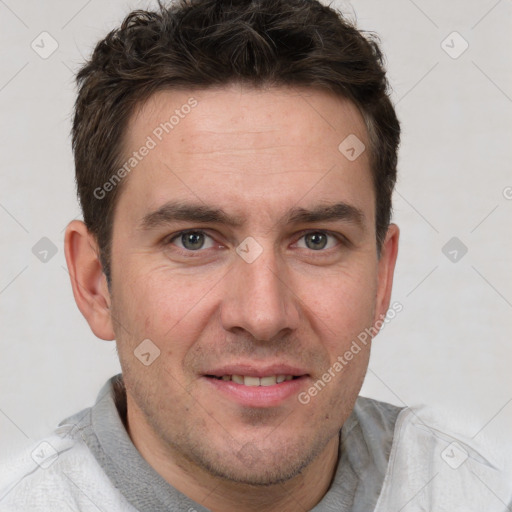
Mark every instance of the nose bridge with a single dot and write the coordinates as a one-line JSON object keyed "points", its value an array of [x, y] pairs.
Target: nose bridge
{"points": [[257, 298]]}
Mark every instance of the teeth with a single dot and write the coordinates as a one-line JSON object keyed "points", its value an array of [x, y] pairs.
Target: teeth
{"points": [[251, 381], [256, 381], [268, 381]]}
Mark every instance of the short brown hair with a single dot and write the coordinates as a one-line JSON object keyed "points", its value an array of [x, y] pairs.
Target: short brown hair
{"points": [[205, 43]]}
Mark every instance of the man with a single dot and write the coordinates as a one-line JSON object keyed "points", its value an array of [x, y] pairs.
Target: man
{"points": [[235, 163]]}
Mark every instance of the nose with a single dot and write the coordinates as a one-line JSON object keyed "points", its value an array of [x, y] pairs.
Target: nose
{"points": [[259, 298]]}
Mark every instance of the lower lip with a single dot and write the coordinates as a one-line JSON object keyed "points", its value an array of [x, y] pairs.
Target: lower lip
{"points": [[258, 396]]}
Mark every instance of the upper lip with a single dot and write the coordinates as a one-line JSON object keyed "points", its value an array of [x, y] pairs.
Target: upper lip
{"points": [[251, 370]]}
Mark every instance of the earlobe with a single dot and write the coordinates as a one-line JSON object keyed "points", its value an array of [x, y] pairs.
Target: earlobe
{"points": [[87, 279], [386, 269]]}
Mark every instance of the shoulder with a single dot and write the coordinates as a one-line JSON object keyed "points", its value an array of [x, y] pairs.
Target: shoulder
{"points": [[58, 473], [432, 468]]}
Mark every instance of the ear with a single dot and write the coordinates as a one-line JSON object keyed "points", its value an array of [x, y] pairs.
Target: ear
{"points": [[87, 279], [386, 269]]}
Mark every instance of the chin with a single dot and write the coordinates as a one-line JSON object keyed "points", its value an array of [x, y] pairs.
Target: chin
{"points": [[254, 466], [260, 475]]}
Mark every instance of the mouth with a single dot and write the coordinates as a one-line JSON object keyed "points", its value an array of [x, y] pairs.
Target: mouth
{"points": [[247, 380], [257, 388]]}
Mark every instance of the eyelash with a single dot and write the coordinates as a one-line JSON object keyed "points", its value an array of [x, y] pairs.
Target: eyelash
{"points": [[339, 237]]}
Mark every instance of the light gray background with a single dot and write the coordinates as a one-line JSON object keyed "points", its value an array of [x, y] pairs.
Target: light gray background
{"points": [[449, 348]]}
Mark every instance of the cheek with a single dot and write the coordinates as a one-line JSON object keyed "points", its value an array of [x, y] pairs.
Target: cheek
{"points": [[155, 306], [163, 305], [342, 305]]}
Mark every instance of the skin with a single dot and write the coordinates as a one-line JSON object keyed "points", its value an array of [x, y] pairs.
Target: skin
{"points": [[256, 154]]}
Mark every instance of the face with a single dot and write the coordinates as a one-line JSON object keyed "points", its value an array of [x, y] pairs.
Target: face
{"points": [[244, 249]]}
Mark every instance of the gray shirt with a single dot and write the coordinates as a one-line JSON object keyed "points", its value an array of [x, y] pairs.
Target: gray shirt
{"points": [[364, 451]]}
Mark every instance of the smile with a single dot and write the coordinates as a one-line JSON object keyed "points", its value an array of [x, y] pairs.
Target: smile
{"points": [[247, 380], [252, 391]]}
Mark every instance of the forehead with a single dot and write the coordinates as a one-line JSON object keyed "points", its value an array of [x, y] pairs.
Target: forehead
{"points": [[223, 118], [268, 149]]}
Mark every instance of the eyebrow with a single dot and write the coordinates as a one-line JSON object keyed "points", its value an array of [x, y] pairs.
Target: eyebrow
{"points": [[178, 211]]}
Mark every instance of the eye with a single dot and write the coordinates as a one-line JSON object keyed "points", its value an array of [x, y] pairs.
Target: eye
{"points": [[192, 240], [197, 240], [318, 240]]}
